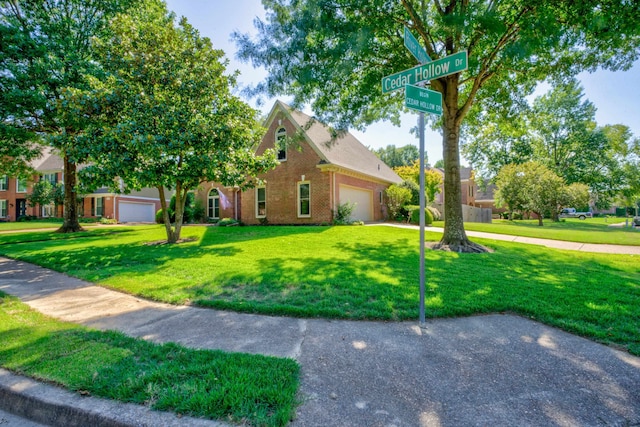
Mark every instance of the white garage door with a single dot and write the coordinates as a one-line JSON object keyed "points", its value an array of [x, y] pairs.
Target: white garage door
{"points": [[363, 200], [137, 212]]}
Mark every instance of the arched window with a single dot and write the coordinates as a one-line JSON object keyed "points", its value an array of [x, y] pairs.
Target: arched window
{"points": [[281, 135], [214, 204]]}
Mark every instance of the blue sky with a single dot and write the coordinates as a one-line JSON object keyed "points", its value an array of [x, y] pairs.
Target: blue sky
{"points": [[615, 94]]}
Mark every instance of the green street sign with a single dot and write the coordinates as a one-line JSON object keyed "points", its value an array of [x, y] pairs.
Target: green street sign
{"points": [[423, 100], [442, 67], [412, 45]]}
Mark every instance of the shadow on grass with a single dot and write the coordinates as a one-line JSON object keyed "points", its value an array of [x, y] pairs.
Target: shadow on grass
{"points": [[167, 377]]}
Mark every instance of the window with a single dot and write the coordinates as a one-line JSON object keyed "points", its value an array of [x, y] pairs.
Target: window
{"points": [[3, 208], [97, 207], [214, 204], [51, 178], [304, 199], [261, 202], [281, 136], [48, 211], [21, 185], [4, 183]]}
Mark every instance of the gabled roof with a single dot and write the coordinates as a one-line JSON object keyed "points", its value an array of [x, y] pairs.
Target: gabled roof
{"points": [[49, 161], [343, 150]]}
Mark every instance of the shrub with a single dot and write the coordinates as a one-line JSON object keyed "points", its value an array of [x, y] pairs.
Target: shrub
{"points": [[108, 221], [414, 215], [397, 197], [342, 215], [160, 216], [227, 222], [435, 213]]}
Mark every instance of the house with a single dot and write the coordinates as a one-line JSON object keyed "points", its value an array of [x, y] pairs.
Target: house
{"points": [[139, 206], [317, 172]]}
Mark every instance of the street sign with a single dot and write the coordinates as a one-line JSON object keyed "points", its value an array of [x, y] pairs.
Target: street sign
{"points": [[442, 67], [411, 43], [423, 100]]}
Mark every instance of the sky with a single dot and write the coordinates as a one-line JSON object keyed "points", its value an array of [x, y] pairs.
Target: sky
{"points": [[616, 95]]}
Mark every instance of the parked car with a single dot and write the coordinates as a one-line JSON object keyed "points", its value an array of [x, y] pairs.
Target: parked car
{"points": [[572, 213], [636, 221]]}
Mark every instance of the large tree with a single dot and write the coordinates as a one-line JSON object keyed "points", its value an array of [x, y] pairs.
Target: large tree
{"points": [[163, 115], [333, 54], [398, 156], [48, 51]]}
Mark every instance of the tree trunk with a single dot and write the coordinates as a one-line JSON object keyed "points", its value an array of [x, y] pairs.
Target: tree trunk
{"points": [[454, 238], [70, 224], [165, 216]]}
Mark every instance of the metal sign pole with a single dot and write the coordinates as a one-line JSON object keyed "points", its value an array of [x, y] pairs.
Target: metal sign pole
{"points": [[422, 220]]}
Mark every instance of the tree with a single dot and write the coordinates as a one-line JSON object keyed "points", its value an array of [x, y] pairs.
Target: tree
{"points": [[44, 193], [395, 157], [333, 55], [162, 115], [49, 51], [432, 180], [532, 187], [397, 197]]}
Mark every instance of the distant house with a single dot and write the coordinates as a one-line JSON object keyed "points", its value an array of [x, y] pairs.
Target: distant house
{"points": [[139, 206], [317, 172], [473, 194]]}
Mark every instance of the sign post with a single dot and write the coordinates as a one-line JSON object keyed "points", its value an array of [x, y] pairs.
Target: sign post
{"points": [[424, 101]]}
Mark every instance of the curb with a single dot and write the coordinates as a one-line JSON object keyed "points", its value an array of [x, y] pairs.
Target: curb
{"points": [[54, 406]]}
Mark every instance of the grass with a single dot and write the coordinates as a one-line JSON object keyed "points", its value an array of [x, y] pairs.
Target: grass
{"points": [[27, 225], [355, 273], [591, 230], [248, 389]]}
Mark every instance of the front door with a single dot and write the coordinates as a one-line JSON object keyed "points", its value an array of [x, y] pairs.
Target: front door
{"points": [[21, 208]]}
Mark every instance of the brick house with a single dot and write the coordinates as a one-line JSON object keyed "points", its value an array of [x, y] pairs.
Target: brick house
{"points": [[139, 206], [315, 174]]}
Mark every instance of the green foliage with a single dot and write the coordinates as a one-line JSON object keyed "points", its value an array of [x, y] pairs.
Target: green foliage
{"points": [[342, 214], [43, 193], [396, 198], [167, 377], [414, 187], [160, 216], [163, 115], [227, 222], [396, 157], [414, 214], [46, 50], [531, 187], [435, 213]]}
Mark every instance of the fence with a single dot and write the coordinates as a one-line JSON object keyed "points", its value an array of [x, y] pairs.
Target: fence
{"points": [[470, 213]]}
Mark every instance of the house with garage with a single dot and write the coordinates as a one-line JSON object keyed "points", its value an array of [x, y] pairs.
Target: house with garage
{"points": [[139, 206], [318, 170]]}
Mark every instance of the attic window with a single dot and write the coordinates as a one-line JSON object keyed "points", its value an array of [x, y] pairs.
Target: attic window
{"points": [[281, 135]]}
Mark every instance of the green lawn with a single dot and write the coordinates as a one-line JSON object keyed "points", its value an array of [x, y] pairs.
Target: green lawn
{"points": [[29, 225], [247, 389], [591, 230], [354, 273]]}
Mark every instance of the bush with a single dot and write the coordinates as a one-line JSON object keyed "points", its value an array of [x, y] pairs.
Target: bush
{"points": [[227, 222], [160, 216], [397, 197], [108, 221], [414, 215], [435, 213], [342, 215]]}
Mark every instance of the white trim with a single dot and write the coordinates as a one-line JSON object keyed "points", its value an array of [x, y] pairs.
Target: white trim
{"points": [[265, 201], [26, 185], [214, 198], [4, 179], [300, 214], [6, 211], [280, 136]]}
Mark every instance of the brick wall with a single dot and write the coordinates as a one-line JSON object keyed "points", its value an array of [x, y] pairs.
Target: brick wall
{"points": [[282, 182]]}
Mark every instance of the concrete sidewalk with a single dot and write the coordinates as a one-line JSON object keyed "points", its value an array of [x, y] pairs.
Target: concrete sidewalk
{"points": [[556, 244], [498, 370]]}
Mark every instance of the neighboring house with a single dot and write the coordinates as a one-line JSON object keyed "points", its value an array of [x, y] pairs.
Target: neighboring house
{"points": [[139, 206], [315, 174], [472, 194]]}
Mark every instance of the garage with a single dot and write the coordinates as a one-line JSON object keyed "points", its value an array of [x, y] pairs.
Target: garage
{"points": [[136, 212], [363, 199]]}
